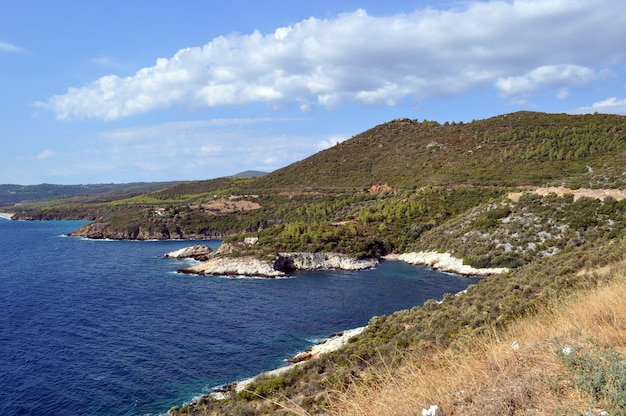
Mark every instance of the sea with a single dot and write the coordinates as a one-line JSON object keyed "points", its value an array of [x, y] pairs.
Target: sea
{"points": [[97, 327]]}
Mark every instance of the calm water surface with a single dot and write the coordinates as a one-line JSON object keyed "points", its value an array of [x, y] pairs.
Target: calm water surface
{"points": [[109, 328]]}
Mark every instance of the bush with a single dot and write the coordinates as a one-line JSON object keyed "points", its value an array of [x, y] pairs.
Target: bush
{"points": [[601, 375]]}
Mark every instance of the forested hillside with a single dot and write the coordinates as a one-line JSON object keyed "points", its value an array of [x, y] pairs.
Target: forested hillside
{"points": [[515, 149]]}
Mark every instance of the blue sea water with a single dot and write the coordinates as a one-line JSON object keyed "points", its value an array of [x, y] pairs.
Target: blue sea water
{"points": [[108, 327]]}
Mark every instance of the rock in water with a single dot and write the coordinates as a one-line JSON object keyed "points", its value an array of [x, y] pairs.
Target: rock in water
{"points": [[198, 252], [234, 266]]}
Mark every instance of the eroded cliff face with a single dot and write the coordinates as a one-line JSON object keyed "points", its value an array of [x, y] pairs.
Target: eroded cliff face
{"points": [[102, 230], [319, 261], [235, 266]]}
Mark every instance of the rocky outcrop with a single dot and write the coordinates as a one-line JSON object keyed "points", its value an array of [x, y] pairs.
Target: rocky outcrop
{"points": [[103, 230], [235, 266], [445, 262], [282, 265], [330, 344], [321, 261], [198, 252]]}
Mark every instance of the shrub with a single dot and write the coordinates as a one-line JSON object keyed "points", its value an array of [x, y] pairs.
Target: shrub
{"points": [[601, 375]]}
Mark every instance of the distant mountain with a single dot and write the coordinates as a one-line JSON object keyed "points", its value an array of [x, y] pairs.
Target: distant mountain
{"points": [[16, 194]]}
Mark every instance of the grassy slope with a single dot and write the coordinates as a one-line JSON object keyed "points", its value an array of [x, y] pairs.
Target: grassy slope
{"points": [[564, 360], [427, 335]]}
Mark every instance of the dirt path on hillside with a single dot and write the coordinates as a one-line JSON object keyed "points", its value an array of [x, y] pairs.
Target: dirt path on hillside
{"points": [[617, 194]]}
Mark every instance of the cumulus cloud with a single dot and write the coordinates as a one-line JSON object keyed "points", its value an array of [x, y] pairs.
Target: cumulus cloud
{"points": [[611, 105], [549, 76], [518, 46]]}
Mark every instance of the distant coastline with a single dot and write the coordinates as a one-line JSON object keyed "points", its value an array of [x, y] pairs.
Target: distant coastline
{"points": [[6, 215]]}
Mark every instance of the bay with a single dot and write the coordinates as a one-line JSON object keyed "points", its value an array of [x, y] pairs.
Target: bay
{"points": [[109, 328]]}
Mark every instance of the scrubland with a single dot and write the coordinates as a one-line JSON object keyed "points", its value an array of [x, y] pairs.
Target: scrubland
{"points": [[568, 359]]}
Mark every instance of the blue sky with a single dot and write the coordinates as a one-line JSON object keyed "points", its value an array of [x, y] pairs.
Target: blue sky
{"points": [[126, 91]]}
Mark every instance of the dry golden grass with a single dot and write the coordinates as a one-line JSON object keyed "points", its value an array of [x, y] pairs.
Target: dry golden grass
{"points": [[517, 373]]}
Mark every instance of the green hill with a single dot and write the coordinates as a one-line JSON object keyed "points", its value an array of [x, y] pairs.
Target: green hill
{"points": [[522, 148]]}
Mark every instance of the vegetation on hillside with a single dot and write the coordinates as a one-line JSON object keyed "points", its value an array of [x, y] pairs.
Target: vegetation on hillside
{"points": [[407, 186], [566, 360], [423, 334]]}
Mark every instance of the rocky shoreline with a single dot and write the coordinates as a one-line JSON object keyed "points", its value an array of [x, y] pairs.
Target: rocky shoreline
{"points": [[6, 215], [216, 263], [330, 344], [445, 262]]}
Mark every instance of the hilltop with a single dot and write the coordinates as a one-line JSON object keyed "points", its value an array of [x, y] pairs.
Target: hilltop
{"points": [[523, 148]]}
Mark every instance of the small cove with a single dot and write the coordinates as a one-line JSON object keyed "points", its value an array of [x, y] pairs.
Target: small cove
{"points": [[109, 328]]}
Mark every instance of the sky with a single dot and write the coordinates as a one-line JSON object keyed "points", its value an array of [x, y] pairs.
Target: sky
{"points": [[143, 91]]}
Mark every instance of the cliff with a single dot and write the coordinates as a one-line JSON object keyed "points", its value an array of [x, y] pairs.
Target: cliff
{"points": [[103, 230]]}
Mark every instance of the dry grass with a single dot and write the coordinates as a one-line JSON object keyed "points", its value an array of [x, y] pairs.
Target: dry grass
{"points": [[517, 373]]}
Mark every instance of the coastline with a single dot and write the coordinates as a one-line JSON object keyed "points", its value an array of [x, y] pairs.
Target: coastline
{"points": [[330, 344], [6, 215], [445, 262]]}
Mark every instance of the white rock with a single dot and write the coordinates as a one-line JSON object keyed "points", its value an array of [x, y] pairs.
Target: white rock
{"points": [[235, 266], [431, 411], [250, 241], [445, 262], [322, 261], [190, 252]]}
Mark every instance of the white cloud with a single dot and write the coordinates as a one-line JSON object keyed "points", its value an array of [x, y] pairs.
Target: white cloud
{"points": [[183, 129], [517, 45], [562, 94], [548, 76], [46, 154], [105, 61], [330, 142], [201, 148], [8, 47], [211, 149], [611, 105]]}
